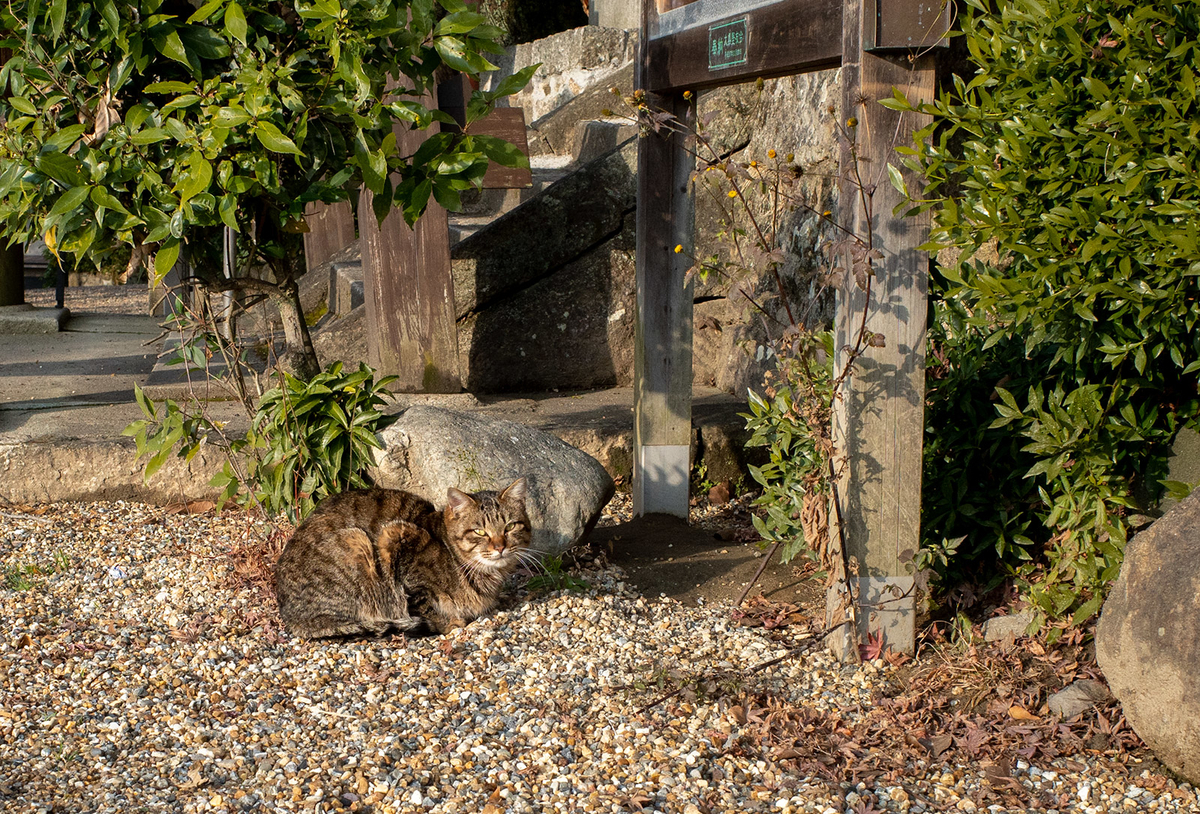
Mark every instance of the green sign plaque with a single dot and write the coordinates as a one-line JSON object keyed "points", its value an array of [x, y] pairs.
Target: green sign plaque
{"points": [[727, 44]]}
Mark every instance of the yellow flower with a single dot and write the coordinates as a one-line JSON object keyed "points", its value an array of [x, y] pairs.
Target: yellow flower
{"points": [[790, 158], [852, 122], [733, 193], [753, 163], [770, 153], [687, 94], [678, 248]]}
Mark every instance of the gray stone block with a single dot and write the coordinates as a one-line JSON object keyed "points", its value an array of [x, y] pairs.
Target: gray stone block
{"points": [[345, 287], [26, 319], [428, 450]]}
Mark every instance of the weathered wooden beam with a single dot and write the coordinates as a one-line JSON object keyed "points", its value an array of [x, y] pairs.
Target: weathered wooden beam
{"points": [[330, 229], [879, 415], [409, 292], [663, 330], [779, 39]]}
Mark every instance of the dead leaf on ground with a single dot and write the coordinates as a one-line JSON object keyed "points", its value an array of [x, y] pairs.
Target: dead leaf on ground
{"points": [[939, 744], [758, 611], [999, 775], [196, 780], [495, 804], [190, 507], [1019, 713]]}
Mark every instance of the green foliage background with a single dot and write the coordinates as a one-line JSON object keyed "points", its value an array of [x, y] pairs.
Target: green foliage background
{"points": [[149, 122], [1061, 369]]}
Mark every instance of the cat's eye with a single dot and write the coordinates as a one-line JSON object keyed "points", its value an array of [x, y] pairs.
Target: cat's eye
{"points": [[480, 532], [513, 526]]}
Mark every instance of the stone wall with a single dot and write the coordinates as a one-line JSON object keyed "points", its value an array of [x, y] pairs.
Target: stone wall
{"points": [[792, 115], [572, 62]]}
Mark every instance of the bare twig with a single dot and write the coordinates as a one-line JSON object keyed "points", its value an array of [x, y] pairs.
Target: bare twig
{"points": [[758, 573]]}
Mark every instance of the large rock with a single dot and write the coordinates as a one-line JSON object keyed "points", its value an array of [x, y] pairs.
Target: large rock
{"points": [[1148, 637], [430, 449]]}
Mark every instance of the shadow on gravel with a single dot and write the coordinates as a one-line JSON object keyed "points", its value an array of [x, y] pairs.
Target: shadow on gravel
{"points": [[664, 555]]}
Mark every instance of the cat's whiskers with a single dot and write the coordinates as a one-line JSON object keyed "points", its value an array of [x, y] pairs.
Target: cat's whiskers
{"points": [[528, 557]]}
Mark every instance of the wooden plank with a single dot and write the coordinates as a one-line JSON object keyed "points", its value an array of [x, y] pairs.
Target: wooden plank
{"points": [[507, 123], [330, 229], [667, 5], [879, 419], [411, 332], [781, 39]]}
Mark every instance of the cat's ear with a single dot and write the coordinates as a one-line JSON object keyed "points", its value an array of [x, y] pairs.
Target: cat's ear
{"points": [[515, 492], [458, 501]]}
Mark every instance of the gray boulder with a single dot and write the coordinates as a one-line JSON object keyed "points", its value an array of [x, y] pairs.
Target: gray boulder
{"points": [[430, 449], [1148, 637]]}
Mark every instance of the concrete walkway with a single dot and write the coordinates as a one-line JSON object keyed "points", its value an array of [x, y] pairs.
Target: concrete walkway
{"points": [[66, 396]]}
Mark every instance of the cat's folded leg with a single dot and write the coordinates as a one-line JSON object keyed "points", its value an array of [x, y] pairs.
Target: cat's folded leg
{"points": [[443, 623], [326, 627]]}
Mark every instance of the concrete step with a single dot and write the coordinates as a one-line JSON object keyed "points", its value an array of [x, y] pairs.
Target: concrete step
{"points": [[179, 380], [496, 202]]}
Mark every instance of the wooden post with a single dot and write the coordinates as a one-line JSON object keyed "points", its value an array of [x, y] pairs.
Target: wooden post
{"points": [[879, 415], [409, 292], [12, 275], [663, 330], [330, 229]]}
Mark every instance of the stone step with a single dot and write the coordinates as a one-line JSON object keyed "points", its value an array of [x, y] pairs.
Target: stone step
{"points": [[462, 227], [496, 202], [346, 288], [595, 137]]}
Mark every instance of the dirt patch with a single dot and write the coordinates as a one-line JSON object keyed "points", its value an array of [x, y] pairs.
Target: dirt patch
{"points": [[664, 555]]}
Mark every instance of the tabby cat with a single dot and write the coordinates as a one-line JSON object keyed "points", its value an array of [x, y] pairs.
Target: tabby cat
{"points": [[368, 561]]}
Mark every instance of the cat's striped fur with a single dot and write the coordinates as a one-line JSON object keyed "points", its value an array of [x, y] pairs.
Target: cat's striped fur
{"points": [[369, 561]]}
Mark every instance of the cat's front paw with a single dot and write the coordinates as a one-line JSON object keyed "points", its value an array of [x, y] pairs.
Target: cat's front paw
{"points": [[448, 624]]}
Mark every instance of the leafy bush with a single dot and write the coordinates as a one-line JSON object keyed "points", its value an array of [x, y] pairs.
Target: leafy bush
{"points": [[1061, 369], [307, 440], [791, 420], [151, 124]]}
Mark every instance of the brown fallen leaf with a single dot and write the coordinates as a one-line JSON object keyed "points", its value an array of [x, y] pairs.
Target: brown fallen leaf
{"points": [[196, 779], [1019, 713], [938, 744], [495, 804], [190, 507], [999, 775]]}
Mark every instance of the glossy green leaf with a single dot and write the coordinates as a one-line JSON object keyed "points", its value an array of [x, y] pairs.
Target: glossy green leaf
{"points": [[273, 139], [235, 22]]}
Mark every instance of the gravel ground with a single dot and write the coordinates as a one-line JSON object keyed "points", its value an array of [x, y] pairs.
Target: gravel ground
{"points": [[95, 299], [136, 678]]}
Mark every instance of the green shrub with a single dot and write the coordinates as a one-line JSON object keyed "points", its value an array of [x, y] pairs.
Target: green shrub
{"points": [[791, 420], [1061, 371], [307, 440]]}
